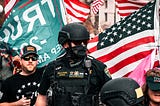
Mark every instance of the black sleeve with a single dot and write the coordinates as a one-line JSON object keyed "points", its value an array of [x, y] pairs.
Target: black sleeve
{"points": [[45, 81], [102, 71], [5, 91], [0, 62]]}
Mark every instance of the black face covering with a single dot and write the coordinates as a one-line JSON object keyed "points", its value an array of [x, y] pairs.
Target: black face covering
{"points": [[78, 51]]}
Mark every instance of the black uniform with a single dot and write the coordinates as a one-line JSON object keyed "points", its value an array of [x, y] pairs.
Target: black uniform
{"points": [[74, 83]]}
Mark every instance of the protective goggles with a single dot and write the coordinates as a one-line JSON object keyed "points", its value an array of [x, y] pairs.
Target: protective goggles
{"points": [[80, 42]]}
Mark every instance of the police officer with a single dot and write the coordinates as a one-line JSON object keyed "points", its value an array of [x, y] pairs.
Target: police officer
{"points": [[75, 78], [122, 92]]}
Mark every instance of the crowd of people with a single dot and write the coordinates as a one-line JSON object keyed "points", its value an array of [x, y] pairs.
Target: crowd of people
{"points": [[75, 78]]}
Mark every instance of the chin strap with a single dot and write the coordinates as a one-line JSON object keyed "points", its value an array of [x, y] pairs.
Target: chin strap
{"points": [[74, 63]]}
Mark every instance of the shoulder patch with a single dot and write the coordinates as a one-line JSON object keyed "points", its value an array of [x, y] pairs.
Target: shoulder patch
{"points": [[107, 72]]}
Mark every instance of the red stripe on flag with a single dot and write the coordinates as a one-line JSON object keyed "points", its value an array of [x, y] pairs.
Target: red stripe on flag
{"points": [[81, 19], [9, 4], [125, 8], [96, 5], [28, 2], [126, 47], [129, 60], [92, 44], [77, 11]]}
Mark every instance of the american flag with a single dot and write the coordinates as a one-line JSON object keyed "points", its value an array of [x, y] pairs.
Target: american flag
{"points": [[123, 46], [8, 6], [96, 5], [77, 11], [126, 7]]}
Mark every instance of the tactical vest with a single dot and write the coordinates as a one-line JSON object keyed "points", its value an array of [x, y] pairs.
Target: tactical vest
{"points": [[70, 86]]}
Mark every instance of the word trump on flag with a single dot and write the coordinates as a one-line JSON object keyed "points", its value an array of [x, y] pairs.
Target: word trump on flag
{"points": [[37, 23]]}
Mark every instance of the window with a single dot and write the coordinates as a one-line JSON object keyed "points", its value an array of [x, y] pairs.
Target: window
{"points": [[106, 19], [106, 4]]}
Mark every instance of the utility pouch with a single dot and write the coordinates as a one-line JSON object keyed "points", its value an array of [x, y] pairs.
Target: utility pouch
{"points": [[76, 99], [81, 99]]}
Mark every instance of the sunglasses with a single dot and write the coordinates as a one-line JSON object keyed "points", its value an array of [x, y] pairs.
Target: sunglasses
{"points": [[32, 58]]}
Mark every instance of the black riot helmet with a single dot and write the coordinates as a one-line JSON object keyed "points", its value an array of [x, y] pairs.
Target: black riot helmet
{"points": [[121, 92], [73, 32]]}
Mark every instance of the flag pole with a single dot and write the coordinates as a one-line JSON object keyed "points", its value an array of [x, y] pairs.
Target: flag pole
{"points": [[99, 23], [158, 26]]}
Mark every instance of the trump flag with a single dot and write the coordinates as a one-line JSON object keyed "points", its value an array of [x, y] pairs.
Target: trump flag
{"points": [[35, 22]]}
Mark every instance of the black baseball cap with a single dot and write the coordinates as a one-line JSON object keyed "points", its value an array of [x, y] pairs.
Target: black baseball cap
{"points": [[29, 49], [153, 83]]}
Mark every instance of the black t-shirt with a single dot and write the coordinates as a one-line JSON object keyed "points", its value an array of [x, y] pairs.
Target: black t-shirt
{"points": [[99, 74], [18, 85]]}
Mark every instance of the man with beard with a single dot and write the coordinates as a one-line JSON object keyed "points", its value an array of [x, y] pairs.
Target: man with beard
{"points": [[75, 77], [21, 88]]}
